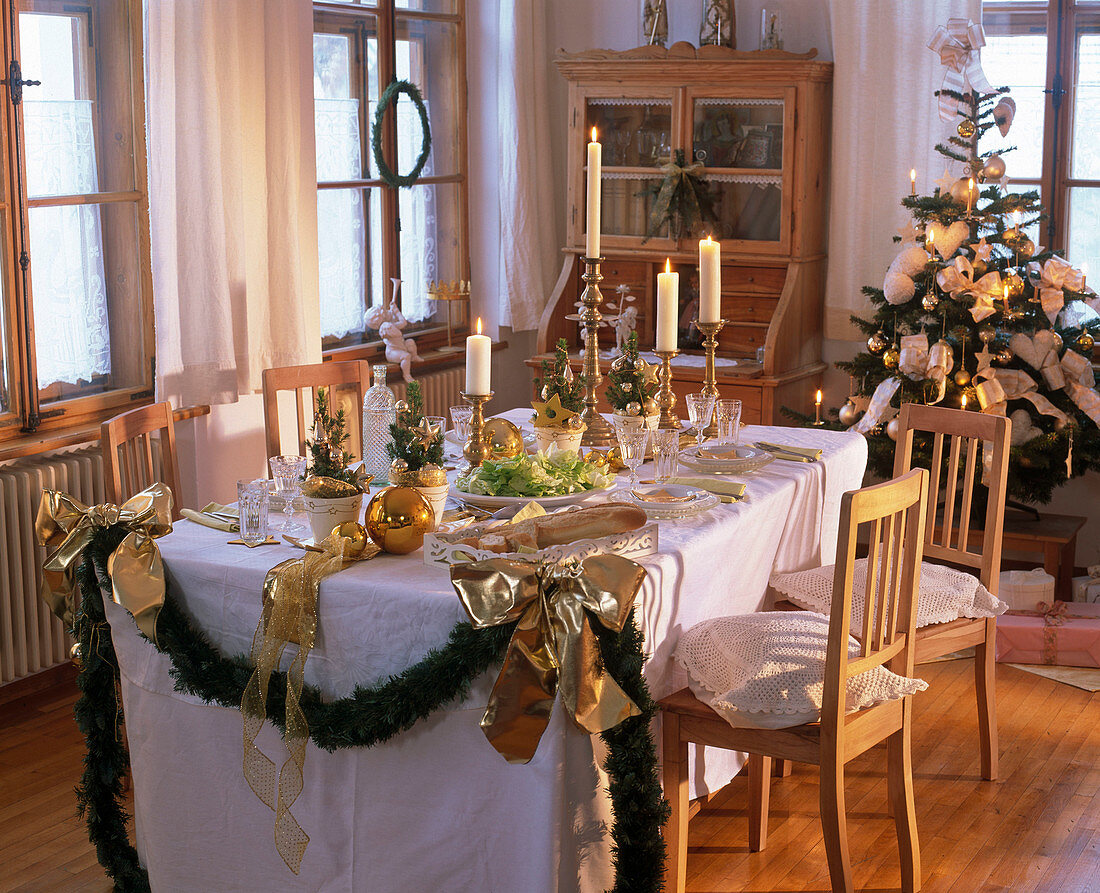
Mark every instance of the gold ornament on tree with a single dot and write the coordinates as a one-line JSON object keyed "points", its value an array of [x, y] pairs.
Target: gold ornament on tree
{"points": [[891, 358], [1084, 342], [962, 378], [930, 302], [892, 428], [966, 128], [994, 167], [877, 343], [848, 413]]}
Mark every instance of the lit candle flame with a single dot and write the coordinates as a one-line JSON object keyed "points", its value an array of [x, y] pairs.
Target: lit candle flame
{"points": [[1016, 219], [479, 325], [668, 265], [930, 238], [594, 135], [817, 399], [963, 402], [1006, 292], [913, 174]]}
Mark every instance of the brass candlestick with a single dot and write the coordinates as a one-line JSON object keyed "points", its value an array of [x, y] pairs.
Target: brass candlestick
{"points": [[666, 399], [477, 448], [598, 432], [710, 332]]}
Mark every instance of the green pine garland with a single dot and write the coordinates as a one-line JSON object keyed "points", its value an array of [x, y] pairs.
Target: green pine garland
{"points": [[389, 95], [368, 717]]}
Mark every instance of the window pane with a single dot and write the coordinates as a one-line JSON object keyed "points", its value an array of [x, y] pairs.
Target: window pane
{"points": [[1019, 61], [430, 247], [1085, 162], [349, 225], [86, 295], [78, 123], [1083, 240], [345, 90], [6, 361], [427, 55], [445, 6]]}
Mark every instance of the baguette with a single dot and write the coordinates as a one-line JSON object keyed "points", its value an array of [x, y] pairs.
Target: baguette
{"points": [[568, 527]]}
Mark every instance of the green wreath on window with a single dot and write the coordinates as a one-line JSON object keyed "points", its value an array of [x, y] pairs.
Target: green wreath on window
{"points": [[388, 97]]}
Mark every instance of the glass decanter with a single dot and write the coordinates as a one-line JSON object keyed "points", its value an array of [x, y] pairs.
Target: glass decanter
{"points": [[379, 412]]}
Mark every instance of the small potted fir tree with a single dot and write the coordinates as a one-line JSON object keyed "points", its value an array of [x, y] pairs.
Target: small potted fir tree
{"points": [[332, 493], [557, 418], [632, 384], [416, 451]]}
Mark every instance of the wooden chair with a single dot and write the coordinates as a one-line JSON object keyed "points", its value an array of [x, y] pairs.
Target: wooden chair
{"points": [[947, 537], [127, 445], [309, 378], [894, 512]]}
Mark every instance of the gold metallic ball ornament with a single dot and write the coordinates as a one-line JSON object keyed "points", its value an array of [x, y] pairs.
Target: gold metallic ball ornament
{"points": [[892, 428], [960, 189], [1004, 356], [505, 439], [75, 656], [1056, 340], [650, 407], [962, 378], [1084, 342], [930, 302], [987, 333], [398, 518], [356, 533], [966, 128], [877, 343], [891, 358], [1026, 248], [848, 413], [994, 167]]}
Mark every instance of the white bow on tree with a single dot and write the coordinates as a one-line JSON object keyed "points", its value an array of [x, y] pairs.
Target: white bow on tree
{"points": [[959, 45]]}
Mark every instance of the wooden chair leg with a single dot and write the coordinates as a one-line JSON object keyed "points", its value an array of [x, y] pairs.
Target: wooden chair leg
{"points": [[675, 778], [834, 823], [985, 683], [782, 768], [899, 783], [760, 771]]}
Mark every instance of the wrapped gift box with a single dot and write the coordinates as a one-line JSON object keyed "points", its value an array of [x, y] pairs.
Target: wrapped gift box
{"points": [[1023, 590], [1086, 589], [1066, 634]]}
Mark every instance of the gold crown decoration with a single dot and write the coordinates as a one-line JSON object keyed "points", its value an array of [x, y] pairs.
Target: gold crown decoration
{"points": [[458, 290]]}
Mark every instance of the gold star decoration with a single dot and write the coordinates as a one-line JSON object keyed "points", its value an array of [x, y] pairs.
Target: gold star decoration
{"points": [[946, 181], [909, 233], [861, 402], [983, 249], [649, 373], [985, 358], [551, 414], [425, 433]]}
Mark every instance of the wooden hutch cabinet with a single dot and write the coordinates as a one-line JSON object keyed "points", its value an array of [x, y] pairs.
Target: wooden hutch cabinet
{"points": [[759, 123]]}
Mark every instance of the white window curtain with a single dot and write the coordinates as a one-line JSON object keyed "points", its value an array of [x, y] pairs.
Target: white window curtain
{"points": [[72, 334], [885, 121], [232, 193], [528, 267], [416, 205]]}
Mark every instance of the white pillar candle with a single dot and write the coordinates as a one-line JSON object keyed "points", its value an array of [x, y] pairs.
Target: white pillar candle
{"points": [[592, 235], [478, 357], [668, 307], [710, 280]]}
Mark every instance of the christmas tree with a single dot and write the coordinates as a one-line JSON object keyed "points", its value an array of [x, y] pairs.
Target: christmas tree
{"points": [[973, 314], [328, 458], [557, 378], [416, 443], [632, 382]]}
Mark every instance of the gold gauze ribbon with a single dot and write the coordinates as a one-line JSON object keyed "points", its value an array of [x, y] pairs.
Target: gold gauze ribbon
{"points": [[552, 646], [289, 614], [957, 279], [65, 526], [1050, 279], [922, 364]]}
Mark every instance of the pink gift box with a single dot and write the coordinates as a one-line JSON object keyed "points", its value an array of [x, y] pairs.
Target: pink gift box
{"points": [[1067, 635]]}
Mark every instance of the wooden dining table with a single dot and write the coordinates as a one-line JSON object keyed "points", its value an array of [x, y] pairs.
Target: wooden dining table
{"points": [[435, 808]]}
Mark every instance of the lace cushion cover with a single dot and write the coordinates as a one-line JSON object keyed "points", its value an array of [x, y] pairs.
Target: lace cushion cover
{"points": [[767, 670], [945, 593]]}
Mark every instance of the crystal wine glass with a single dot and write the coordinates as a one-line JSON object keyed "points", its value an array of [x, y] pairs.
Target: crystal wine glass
{"points": [[700, 407], [632, 444], [287, 471]]}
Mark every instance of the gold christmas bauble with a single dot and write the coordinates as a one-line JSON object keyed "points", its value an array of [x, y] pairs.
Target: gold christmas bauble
{"points": [[891, 358], [401, 406], [1056, 340], [650, 407], [1025, 248], [930, 302], [966, 128], [75, 656], [356, 533], [505, 440], [1004, 356], [398, 518], [987, 333], [979, 266], [962, 378], [994, 167], [1084, 342], [959, 191], [848, 413], [892, 428], [877, 343]]}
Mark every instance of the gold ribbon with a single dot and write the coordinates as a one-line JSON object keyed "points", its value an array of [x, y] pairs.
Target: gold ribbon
{"points": [[1072, 373], [289, 614], [553, 646], [959, 46], [1054, 615], [958, 279], [922, 364], [1050, 279], [65, 526]]}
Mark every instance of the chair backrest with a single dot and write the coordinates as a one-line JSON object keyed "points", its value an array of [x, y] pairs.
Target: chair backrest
{"points": [[304, 381], [127, 445], [952, 438], [893, 515]]}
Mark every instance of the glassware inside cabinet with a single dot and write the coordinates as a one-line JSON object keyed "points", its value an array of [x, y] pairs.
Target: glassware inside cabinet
{"points": [[634, 132], [738, 133], [748, 207]]}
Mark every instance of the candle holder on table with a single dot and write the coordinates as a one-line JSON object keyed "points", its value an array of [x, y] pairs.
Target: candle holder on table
{"points": [[449, 292], [666, 399], [710, 332], [477, 448], [817, 414], [598, 432]]}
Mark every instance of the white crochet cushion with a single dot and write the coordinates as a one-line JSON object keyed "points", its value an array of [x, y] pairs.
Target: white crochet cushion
{"points": [[767, 670], [945, 593]]}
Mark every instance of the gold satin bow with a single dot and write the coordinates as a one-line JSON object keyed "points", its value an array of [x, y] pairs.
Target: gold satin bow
{"points": [[959, 46], [1055, 274], [552, 646], [65, 526], [958, 279]]}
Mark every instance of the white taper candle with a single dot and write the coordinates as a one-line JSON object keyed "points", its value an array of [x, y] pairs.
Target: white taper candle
{"points": [[710, 280], [668, 307], [478, 362], [592, 226]]}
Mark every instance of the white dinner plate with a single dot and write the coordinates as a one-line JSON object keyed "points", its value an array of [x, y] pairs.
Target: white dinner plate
{"points": [[681, 502], [725, 458], [496, 502]]}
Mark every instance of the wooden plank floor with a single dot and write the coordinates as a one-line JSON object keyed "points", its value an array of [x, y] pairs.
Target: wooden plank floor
{"points": [[1036, 829]]}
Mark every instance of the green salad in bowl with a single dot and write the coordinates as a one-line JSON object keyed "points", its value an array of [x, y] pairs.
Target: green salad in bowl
{"points": [[554, 473]]}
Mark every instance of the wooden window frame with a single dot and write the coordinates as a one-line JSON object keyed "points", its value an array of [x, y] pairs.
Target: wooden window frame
{"points": [[92, 403], [387, 15]]}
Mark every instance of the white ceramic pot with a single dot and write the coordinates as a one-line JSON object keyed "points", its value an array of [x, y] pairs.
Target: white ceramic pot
{"points": [[562, 438], [437, 499], [651, 421], [324, 514]]}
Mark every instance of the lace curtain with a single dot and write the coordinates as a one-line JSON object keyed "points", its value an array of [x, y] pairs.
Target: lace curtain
{"points": [[72, 334]]}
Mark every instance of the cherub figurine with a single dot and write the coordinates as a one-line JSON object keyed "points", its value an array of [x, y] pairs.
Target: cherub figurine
{"points": [[389, 321]]}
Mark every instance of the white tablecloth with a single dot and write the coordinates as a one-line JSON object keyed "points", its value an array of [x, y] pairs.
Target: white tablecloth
{"points": [[437, 808]]}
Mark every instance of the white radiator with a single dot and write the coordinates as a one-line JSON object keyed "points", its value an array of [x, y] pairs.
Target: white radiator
{"points": [[31, 638], [441, 390]]}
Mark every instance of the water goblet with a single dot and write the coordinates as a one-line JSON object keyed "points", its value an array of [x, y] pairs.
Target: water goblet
{"points": [[287, 471], [460, 418], [632, 446], [252, 506], [727, 413], [666, 453], [700, 407]]}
